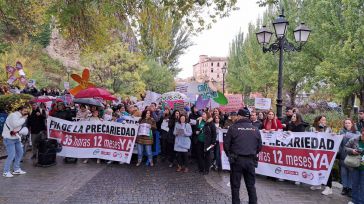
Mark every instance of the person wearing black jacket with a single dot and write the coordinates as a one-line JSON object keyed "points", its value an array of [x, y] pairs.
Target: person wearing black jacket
{"points": [[206, 140], [62, 112], [254, 119], [37, 127], [171, 137], [296, 124], [360, 124], [242, 143], [194, 115]]}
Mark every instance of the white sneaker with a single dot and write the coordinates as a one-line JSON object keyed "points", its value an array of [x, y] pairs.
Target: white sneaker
{"points": [[315, 187], [7, 175], [19, 172], [297, 183], [121, 162], [327, 191], [350, 202], [280, 180], [109, 162], [228, 184], [85, 161]]}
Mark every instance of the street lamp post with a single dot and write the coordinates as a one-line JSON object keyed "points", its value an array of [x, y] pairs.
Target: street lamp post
{"points": [[301, 34], [223, 69], [68, 73]]}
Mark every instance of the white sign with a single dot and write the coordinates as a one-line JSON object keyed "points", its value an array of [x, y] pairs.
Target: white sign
{"points": [[263, 103], [66, 85]]}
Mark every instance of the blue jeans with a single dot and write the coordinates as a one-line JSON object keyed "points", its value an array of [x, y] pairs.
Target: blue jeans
{"points": [[346, 176], [148, 149], [15, 151], [358, 186]]}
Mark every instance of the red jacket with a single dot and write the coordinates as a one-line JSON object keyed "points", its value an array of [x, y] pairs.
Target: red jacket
{"points": [[276, 124]]}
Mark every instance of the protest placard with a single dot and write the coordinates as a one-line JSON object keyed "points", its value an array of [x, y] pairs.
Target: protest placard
{"points": [[263, 103], [235, 102]]}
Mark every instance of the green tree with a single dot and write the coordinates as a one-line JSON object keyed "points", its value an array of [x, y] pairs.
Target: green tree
{"points": [[117, 69], [37, 64], [339, 30], [158, 78]]}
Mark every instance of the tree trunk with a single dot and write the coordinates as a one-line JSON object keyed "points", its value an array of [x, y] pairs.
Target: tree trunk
{"points": [[361, 92], [361, 99], [292, 92], [348, 104]]}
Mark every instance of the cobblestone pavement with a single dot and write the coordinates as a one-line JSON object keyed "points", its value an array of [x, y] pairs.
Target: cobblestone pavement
{"points": [[273, 192], [101, 183], [45, 185]]}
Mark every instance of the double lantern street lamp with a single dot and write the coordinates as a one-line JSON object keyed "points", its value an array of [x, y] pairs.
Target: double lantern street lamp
{"points": [[301, 34], [223, 69]]}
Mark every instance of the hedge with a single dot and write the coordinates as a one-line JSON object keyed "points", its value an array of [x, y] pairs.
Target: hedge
{"points": [[10, 102]]}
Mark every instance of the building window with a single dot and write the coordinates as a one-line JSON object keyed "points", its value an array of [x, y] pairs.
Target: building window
{"points": [[212, 64], [212, 70], [218, 64], [218, 76], [225, 64]]}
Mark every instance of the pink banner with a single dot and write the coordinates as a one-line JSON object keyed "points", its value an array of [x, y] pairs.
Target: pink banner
{"points": [[235, 102]]}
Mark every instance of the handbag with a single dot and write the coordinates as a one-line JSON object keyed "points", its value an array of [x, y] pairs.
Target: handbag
{"points": [[352, 161]]}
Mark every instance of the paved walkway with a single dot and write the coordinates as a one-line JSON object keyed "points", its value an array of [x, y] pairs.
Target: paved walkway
{"points": [[101, 183]]}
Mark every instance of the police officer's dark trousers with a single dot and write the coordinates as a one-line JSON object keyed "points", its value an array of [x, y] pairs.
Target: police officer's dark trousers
{"points": [[244, 166]]}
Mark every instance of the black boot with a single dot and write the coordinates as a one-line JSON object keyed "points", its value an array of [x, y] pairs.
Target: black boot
{"points": [[349, 192], [344, 191]]}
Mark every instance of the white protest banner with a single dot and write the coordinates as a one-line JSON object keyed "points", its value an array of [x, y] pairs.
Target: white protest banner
{"points": [[235, 102], [130, 120], [306, 157], [263, 103], [93, 139], [181, 88]]}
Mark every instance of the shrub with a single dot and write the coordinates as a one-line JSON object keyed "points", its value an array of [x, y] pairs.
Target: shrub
{"points": [[334, 119], [9, 103]]}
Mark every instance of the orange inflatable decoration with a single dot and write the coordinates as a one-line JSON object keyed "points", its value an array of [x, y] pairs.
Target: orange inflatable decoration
{"points": [[82, 81]]}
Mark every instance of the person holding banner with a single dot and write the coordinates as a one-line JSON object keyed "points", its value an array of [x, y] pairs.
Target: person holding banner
{"points": [[145, 136], [242, 143], [82, 113], [206, 140], [355, 146], [272, 123], [183, 132], [94, 117], [320, 125], [348, 131]]}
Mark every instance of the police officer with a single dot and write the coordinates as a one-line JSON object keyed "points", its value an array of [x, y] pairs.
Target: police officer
{"points": [[242, 143]]}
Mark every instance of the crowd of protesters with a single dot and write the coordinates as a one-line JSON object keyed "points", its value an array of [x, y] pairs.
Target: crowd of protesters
{"points": [[186, 134]]}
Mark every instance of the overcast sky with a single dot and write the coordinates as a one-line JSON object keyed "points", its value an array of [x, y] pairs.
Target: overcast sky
{"points": [[215, 41]]}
